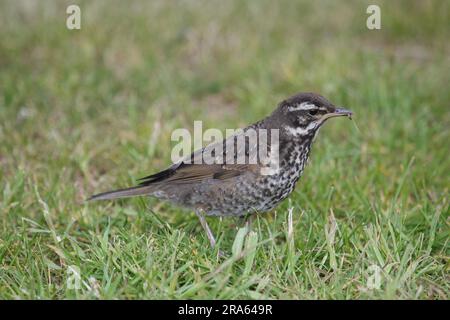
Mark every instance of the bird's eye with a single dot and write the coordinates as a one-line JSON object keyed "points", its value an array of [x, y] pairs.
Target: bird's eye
{"points": [[313, 112]]}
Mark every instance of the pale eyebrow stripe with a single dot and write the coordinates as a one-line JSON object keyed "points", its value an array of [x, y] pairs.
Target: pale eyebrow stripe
{"points": [[304, 106]]}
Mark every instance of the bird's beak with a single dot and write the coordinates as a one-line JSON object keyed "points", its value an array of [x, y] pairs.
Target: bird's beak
{"points": [[338, 112]]}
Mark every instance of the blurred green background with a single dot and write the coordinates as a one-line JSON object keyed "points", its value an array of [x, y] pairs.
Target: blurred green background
{"points": [[83, 111]]}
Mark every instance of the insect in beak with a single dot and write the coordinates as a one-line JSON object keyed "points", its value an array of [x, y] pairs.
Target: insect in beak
{"points": [[338, 112]]}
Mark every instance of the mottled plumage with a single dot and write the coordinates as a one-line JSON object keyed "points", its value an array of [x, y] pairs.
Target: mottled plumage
{"points": [[226, 188]]}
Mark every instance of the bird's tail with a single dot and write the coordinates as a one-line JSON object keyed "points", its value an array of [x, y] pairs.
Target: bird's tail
{"points": [[122, 193]]}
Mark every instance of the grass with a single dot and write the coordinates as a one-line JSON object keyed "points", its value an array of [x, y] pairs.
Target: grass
{"points": [[89, 110]]}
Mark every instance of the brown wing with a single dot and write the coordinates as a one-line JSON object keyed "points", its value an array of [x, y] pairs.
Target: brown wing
{"points": [[189, 172], [184, 172]]}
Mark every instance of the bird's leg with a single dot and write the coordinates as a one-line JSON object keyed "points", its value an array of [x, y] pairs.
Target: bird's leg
{"points": [[205, 226], [249, 222]]}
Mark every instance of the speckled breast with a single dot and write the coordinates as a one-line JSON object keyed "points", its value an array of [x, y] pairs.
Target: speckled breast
{"points": [[259, 193]]}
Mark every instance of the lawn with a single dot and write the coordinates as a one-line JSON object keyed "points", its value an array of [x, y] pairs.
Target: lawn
{"points": [[85, 111]]}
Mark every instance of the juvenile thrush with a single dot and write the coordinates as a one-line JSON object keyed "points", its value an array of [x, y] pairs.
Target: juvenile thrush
{"points": [[236, 182]]}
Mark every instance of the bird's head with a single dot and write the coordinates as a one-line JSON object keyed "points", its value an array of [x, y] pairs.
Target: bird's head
{"points": [[301, 115]]}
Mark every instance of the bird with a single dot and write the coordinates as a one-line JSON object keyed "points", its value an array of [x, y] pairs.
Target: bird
{"points": [[236, 180]]}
